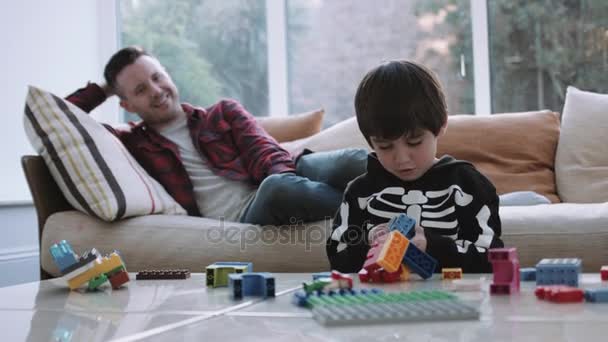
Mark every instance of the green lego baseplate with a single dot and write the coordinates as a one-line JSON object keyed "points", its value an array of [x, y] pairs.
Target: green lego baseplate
{"points": [[348, 308]]}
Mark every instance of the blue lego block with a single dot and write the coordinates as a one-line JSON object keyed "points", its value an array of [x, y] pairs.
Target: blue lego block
{"points": [[558, 271], [527, 274], [63, 255], [403, 224], [320, 275], [251, 284], [235, 263], [599, 295], [419, 262]]}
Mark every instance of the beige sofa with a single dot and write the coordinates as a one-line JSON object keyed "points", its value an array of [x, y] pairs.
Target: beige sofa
{"points": [[516, 151]]}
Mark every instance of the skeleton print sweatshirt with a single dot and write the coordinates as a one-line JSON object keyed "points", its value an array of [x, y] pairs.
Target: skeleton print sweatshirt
{"points": [[455, 205]]}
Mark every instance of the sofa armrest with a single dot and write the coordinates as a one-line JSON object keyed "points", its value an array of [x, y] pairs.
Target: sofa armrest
{"points": [[48, 198]]}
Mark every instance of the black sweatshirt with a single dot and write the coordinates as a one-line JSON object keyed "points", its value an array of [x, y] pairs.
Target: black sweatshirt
{"points": [[455, 204]]}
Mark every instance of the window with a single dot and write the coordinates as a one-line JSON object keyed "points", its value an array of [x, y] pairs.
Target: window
{"points": [[539, 48], [220, 48], [332, 44], [211, 48]]}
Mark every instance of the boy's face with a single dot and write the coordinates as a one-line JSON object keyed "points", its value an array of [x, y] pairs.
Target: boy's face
{"points": [[147, 90], [408, 157]]}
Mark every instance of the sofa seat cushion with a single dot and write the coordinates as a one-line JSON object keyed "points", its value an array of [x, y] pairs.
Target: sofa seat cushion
{"points": [[165, 241], [561, 230]]}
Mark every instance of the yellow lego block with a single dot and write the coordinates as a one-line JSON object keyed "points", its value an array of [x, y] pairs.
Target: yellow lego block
{"points": [[101, 265], [451, 273], [405, 273], [391, 256]]}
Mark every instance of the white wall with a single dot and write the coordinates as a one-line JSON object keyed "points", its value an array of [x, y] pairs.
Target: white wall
{"points": [[55, 45]]}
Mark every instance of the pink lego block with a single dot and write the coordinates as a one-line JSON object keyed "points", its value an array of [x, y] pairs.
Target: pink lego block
{"points": [[502, 254], [505, 267]]}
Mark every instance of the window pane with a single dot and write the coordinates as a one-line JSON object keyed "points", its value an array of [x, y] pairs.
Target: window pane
{"points": [[211, 48], [333, 43], [539, 48]]}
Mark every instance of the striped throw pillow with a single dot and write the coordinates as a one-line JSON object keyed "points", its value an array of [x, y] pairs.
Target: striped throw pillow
{"points": [[92, 167]]}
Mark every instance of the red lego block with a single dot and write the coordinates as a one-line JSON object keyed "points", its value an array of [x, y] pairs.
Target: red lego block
{"points": [[381, 276], [390, 277], [342, 280], [560, 294], [505, 267], [451, 273], [604, 272], [118, 279]]}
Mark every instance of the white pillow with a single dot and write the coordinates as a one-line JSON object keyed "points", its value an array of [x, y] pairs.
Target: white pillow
{"points": [[93, 169], [344, 134], [581, 161]]}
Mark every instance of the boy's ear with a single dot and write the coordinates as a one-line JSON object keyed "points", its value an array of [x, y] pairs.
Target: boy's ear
{"points": [[443, 129]]}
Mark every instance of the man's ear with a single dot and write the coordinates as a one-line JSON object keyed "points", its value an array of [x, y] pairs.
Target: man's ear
{"points": [[125, 105]]}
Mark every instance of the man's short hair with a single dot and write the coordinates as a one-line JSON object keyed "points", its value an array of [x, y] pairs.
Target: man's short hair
{"points": [[119, 61], [399, 98]]}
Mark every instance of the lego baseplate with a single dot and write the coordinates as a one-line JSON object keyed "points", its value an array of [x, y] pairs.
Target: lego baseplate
{"points": [[374, 308]]}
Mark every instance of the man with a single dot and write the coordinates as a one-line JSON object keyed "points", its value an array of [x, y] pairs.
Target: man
{"points": [[217, 162]]}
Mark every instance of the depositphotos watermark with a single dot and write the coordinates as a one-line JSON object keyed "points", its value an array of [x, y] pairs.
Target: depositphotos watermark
{"points": [[297, 233]]}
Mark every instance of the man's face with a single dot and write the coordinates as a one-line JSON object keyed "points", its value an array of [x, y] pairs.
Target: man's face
{"points": [[147, 90], [407, 157]]}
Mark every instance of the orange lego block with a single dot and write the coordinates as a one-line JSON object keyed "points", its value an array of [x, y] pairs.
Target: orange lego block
{"points": [[451, 273], [392, 253]]}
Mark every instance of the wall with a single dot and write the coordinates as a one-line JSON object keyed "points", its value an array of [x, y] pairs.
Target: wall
{"points": [[59, 46]]}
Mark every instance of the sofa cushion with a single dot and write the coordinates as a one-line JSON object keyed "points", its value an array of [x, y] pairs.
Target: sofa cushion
{"points": [[516, 151], [344, 134], [95, 172], [581, 163], [294, 126]]}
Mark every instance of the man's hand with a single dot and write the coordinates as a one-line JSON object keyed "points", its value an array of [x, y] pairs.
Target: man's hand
{"points": [[377, 233], [419, 240]]}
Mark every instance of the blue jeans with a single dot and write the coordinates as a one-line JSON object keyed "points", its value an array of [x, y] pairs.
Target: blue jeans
{"points": [[313, 193]]}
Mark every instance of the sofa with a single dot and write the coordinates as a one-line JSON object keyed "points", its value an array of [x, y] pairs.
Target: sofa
{"points": [[538, 151]]}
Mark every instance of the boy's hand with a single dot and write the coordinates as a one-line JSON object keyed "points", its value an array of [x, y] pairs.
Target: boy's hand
{"points": [[419, 240], [377, 233]]}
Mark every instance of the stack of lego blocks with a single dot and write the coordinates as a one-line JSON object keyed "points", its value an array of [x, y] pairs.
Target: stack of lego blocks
{"points": [[240, 279], [505, 266], [391, 257], [91, 267]]}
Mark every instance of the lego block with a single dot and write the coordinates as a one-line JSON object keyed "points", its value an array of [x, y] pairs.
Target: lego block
{"points": [[405, 273], [527, 274], [251, 284], [599, 295], [118, 279], [419, 262], [560, 294], [99, 266], [248, 265], [162, 274], [506, 272], [403, 224], [558, 271], [387, 253], [341, 280], [451, 273], [382, 276], [304, 299], [502, 254], [604, 272], [63, 255], [84, 259], [217, 275], [349, 309], [96, 282], [317, 285]]}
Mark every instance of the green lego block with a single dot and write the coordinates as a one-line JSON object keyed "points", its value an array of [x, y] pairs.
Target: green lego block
{"points": [[217, 275], [96, 282]]}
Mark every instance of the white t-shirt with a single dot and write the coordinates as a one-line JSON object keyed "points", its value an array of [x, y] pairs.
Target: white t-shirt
{"points": [[216, 196]]}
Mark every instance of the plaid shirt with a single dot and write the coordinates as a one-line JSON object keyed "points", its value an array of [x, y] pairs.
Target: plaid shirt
{"points": [[227, 135]]}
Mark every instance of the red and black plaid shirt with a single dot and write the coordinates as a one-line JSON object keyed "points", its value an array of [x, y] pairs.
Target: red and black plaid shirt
{"points": [[228, 137]]}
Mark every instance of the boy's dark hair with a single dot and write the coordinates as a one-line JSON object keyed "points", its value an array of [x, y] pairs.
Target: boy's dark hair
{"points": [[399, 98], [119, 61]]}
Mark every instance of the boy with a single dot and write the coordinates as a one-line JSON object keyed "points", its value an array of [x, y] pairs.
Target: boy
{"points": [[401, 112]]}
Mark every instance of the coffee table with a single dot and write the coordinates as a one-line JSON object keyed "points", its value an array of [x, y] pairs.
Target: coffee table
{"points": [[184, 310]]}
